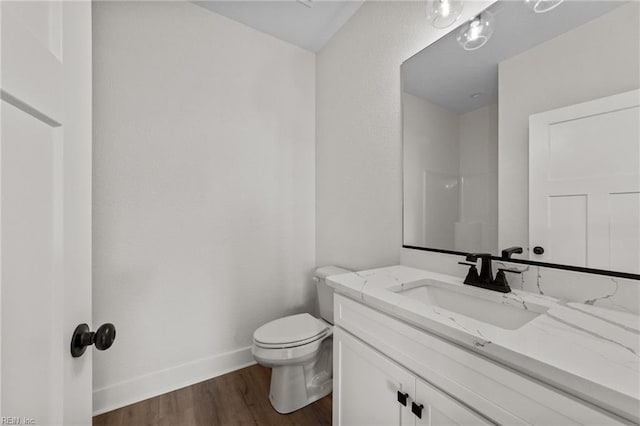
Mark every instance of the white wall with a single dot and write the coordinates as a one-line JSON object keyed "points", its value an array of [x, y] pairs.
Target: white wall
{"points": [[450, 183], [359, 132], [431, 166], [479, 180], [597, 59], [204, 192]]}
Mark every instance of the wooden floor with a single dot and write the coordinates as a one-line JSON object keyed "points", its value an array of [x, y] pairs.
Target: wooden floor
{"points": [[238, 398]]}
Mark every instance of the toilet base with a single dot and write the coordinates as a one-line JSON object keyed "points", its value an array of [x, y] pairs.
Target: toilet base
{"points": [[286, 399], [296, 386]]}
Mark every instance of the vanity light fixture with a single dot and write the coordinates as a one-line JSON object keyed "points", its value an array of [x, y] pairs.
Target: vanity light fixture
{"points": [[475, 33], [542, 6], [443, 13]]}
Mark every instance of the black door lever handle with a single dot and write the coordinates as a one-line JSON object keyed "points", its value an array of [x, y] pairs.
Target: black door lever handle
{"points": [[82, 337]]}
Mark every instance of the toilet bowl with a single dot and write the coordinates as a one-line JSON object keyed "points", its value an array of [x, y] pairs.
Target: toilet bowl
{"points": [[298, 348]]}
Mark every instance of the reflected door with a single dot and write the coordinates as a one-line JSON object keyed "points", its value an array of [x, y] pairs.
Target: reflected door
{"points": [[584, 184]]}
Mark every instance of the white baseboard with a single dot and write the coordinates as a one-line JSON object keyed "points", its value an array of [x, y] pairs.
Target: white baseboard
{"points": [[163, 381]]}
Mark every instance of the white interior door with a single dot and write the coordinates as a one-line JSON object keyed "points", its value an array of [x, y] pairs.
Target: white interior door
{"points": [[584, 183], [45, 208]]}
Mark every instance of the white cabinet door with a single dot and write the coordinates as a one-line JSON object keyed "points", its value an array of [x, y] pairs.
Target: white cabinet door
{"points": [[366, 386], [439, 409], [584, 183], [45, 210]]}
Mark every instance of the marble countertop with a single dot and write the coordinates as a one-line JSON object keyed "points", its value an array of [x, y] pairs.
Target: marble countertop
{"points": [[591, 352]]}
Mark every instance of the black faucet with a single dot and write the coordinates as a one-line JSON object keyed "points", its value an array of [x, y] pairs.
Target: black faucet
{"points": [[485, 278]]}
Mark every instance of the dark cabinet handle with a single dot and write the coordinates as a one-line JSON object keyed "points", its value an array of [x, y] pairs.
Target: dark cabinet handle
{"points": [[538, 250], [82, 337], [417, 409], [402, 398]]}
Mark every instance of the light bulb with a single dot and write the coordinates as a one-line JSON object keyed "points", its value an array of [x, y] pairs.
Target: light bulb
{"points": [[475, 33], [475, 30], [445, 9], [443, 13], [542, 6]]}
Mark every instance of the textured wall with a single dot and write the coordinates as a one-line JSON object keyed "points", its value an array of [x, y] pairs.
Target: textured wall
{"points": [[359, 132], [203, 192]]}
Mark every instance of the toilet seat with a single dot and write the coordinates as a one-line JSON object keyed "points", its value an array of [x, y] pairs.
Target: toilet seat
{"points": [[291, 331]]}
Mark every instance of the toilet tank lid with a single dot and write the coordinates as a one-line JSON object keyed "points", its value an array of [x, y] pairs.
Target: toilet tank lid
{"points": [[326, 271]]}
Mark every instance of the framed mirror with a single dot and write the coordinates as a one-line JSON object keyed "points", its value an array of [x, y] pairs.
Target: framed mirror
{"points": [[521, 128]]}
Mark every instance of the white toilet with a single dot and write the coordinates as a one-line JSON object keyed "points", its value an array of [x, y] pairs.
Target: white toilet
{"points": [[299, 349]]}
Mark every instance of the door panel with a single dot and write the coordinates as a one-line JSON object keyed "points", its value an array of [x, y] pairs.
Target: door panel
{"points": [[584, 183], [368, 384], [625, 230], [43, 19], [32, 74], [31, 244], [568, 225], [587, 136], [45, 209]]}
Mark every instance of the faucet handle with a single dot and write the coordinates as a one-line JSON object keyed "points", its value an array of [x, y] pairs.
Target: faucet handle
{"points": [[473, 257], [508, 252], [472, 276], [501, 280]]}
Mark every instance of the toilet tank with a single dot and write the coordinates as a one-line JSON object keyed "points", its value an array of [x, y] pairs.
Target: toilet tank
{"points": [[325, 293]]}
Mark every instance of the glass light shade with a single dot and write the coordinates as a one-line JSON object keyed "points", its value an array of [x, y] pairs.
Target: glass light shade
{"points": [[443, 13], [542, 6], [477, 32]]}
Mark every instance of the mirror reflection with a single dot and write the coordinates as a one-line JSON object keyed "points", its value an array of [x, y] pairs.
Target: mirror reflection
{"points": [[522, 129]]}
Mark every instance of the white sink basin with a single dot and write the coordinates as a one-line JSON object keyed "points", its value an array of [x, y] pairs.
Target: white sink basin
{"points": [[501, 310]]}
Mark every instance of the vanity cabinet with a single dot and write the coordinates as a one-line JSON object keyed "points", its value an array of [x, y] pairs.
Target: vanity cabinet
{"points": [[378, 359], [369, 384], [373, 390], [440, 409]]}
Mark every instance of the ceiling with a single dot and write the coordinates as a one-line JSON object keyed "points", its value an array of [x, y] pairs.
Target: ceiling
{"points": [[447, 75], [306, 23]]}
